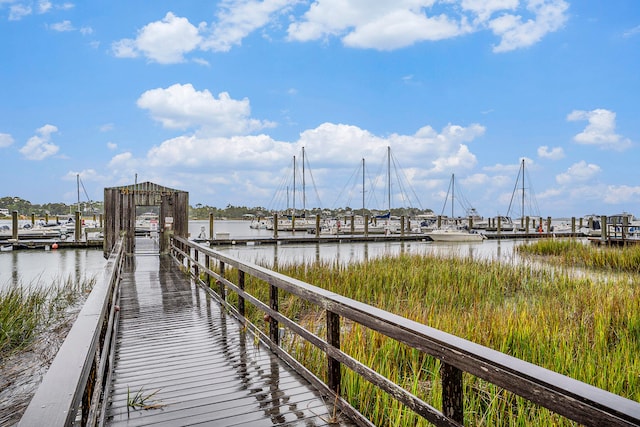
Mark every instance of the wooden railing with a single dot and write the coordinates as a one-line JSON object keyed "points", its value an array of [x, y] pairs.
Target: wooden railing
{"points": [[72, 388], [570, 398]]}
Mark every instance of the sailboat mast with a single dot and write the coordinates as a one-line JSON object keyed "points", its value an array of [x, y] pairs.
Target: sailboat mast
{"points": [[78, 187], [389, 178], [522, 216], [363, 188], [453, 180], [304, 194], [293, 213]]}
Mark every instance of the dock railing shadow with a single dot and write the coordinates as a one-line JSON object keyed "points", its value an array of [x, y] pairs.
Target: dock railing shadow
{"points": [[570, 398]]}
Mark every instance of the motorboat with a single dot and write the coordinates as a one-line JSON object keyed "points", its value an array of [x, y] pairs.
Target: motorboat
{"points": [[454, 234]]}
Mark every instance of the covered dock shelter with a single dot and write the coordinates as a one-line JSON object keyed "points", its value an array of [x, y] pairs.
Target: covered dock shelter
{"points": [[120, 205]]}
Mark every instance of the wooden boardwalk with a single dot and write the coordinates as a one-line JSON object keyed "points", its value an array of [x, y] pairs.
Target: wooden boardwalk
{"points": [[175, 341]]}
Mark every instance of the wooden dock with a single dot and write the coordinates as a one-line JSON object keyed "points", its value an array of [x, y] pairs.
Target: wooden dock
{"points": [[176, 343]]}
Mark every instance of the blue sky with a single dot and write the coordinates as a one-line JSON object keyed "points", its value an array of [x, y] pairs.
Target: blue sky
{"points": [[216, 98]]}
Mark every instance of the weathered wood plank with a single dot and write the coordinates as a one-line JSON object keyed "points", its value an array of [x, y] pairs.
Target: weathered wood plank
{"points": [[176, 341]]}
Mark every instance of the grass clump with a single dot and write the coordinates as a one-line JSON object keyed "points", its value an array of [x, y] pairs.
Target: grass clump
{"points": [[576, 253], [25, 310], [586, 328]]}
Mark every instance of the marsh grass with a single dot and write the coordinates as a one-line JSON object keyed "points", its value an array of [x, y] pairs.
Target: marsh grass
{"points": [[581, 327], [25, 310], [576, 253]]}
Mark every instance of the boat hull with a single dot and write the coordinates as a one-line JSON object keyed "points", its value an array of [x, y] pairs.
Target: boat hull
{"points": [[455, 236]]}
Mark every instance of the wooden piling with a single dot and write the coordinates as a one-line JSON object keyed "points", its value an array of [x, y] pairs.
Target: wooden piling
{"points": [[14, 225], [210, 225]]}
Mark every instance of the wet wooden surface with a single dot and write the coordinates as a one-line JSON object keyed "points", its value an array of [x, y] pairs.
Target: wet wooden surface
{"points": [[176, 343]]}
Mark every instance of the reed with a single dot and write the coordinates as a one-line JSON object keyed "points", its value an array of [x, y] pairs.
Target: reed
{"points": [[575, 252], [25, 310], [586, 328]]}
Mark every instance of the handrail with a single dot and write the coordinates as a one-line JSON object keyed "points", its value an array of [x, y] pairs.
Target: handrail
{"points": [[568, 397], [75, 378]]}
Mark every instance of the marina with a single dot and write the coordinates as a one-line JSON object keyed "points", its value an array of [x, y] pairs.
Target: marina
{"points": [[145, 293]]}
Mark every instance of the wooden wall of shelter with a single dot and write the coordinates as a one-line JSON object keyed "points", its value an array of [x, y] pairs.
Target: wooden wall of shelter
{"points": [[120, 213]]}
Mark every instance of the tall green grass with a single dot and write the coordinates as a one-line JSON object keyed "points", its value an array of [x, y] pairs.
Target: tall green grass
{"points": [[585, 328], [25, 310], [574, 252]]}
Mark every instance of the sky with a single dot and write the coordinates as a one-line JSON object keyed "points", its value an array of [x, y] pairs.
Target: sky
{"points": [[217, 98]]}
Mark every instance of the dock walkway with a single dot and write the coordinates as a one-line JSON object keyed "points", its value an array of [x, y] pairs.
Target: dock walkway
{"points": [[194, 363]]}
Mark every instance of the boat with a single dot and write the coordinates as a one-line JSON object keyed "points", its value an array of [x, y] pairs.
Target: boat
{"points": [[528, 206], [146, 223], [455, 234], [452, 232], [617, 226]]}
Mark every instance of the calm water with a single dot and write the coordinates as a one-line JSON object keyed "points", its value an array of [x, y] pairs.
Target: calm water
{"points": [[33, 267]]}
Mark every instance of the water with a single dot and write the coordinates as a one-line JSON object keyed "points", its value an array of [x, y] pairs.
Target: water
{"points": [[343, 252], [39, 267]]}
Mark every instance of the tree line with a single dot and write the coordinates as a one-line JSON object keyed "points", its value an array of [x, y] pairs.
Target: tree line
{"points": [[25, 207]]}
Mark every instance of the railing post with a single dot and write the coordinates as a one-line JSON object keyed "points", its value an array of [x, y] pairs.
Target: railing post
{"points": [[452, 402], [196, 268], [210, 225], [333, 338], [274, 333], [221, 284], [207, 264], [241, 286]]}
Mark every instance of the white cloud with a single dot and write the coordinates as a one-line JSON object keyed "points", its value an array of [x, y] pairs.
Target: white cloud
{"points": [[601, 130], [19, 11], [379, 24], [549, 16], [39, 147], [632, 32], [107, 127], [327, 142], [484, 9], [44, 6], [578, 173], [123, 166], [391, 25], [616, 194], [165, 42], [5, 140], [555, 153], [86, 175], [112, 145], [182, 107], [125, 48], [402, 28], [63, 26], [240, 18]]}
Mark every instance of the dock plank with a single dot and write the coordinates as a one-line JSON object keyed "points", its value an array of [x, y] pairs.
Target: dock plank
{"points": [[176, 342]]}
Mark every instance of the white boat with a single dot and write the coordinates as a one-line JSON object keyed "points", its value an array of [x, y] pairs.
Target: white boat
{"points": [[146, 223], [450, 234]]}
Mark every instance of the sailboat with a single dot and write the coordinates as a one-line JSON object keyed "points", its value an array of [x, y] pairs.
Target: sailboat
{"points": [[451, 232], [519, 187], [292, 220]]}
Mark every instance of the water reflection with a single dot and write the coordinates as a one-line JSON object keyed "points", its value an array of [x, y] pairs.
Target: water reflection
{"points": [[41, 268], [343, 253]]}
